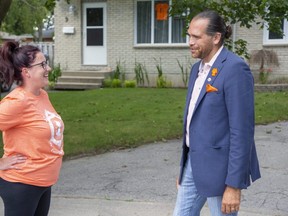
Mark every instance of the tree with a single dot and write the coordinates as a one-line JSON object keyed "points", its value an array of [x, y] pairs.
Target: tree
{"points": [[264, 58], [244, 12], [26, 16], [4, 5]]}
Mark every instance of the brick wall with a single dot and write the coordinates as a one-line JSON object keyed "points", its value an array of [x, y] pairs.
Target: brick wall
{"points": [[68, 46], [120, 43], [270, 87], [254, 37], [121, 46]]}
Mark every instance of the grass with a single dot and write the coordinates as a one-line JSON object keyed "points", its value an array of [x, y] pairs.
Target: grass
{"points": [[271, 107], [102, 120]]}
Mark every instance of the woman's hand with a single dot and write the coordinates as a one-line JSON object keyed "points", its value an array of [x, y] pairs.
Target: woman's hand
{"points": [[11, 162]]}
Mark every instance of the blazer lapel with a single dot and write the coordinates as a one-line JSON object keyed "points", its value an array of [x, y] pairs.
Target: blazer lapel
{"points": [[193, 77], [213, 73]]}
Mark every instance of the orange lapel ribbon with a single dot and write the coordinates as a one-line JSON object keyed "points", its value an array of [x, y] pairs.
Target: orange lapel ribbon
{"points": [[210, 88], [214, 71]]}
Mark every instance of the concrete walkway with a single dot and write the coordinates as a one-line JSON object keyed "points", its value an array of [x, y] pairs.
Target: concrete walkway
{"points": [[141, 181]]}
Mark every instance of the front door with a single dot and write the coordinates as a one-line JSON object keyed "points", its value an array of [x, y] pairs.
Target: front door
{"points": [[94, 34]]}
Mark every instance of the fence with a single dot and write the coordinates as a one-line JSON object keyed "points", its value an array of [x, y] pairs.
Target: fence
{"points": [[47, 49]]}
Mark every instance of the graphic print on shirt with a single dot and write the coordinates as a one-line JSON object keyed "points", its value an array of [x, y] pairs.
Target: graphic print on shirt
{"points": [[56, 127]]}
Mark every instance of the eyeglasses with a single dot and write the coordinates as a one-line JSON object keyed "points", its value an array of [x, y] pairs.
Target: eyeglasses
{"points": [[43, 65]]}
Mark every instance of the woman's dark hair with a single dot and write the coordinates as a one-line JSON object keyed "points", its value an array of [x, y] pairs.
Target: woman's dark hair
{"points": [[13, 58], [216, 24]]}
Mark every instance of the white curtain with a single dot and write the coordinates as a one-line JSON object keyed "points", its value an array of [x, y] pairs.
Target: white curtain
{"points": [[144, 22], [161, 27]]}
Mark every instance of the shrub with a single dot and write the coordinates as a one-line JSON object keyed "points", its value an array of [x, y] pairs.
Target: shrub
{"points": [[130, 83], [53, 76], [163, 83], [159, 67], [141, 73], [119, 72], [184, 72], [107, 83], [116, 83], [264, 58]]}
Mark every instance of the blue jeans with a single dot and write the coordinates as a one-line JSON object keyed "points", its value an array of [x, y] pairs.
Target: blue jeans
{"points": [[190, 203]]}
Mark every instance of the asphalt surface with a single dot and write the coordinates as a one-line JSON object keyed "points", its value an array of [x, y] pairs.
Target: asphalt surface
{"points": [[142, 181]]}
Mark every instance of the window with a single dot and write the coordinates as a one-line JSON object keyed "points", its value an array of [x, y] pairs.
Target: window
{"points": [[273, 38], [95, 33], [154, 26]]}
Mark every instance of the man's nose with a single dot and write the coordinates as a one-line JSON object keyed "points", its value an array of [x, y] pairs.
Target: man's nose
{"points": [[191, 41]]}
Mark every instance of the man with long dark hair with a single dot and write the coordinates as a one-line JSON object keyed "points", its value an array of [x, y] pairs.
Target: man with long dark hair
{"points": [[219, 155]]}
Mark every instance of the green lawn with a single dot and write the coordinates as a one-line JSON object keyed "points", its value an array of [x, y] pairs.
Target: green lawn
{"points": [[101, 120], [271, 107]]}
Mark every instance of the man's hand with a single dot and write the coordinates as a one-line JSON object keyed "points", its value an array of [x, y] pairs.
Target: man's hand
{"points": [[11, 162], [231, 200]]}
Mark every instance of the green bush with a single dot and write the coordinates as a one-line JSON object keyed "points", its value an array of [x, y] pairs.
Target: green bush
{"points": [[116, 83], [130, 83], [107, 83], [53, 76], [163, 83], [119, 72]]}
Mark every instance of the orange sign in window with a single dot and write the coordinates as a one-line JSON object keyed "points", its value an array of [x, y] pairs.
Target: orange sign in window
{"points": [[162, 11]]}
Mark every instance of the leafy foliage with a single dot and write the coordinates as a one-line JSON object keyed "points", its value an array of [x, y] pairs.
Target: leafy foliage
{"points": [[184, 71], [24, 16], [21, 22], [55, 73], [51, 4], [141, 73], [265, 59], [244, 12], [4, 5]]}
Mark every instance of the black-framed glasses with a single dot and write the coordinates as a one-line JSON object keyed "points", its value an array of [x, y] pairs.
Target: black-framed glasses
{"points": [[43, 64]]}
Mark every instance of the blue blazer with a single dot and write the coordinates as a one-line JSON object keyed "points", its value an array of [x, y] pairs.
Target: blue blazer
{"points": [[222, 148]]}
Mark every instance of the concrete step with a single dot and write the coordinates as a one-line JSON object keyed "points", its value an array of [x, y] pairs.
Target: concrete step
{"points": [[77, 86], [100, 73], [80, 79]]}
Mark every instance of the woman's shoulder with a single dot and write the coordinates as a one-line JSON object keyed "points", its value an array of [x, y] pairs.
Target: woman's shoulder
{"points": [[17, 94]]}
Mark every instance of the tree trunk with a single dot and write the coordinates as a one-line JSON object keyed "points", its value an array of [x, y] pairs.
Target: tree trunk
{"points": [[40, 33], [4, 5]]}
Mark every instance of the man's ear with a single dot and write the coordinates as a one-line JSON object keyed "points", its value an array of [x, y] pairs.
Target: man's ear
{"points": [[217, 38]]}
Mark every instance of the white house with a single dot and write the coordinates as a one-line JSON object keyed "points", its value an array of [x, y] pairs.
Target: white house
{"points": [[91, 36]]}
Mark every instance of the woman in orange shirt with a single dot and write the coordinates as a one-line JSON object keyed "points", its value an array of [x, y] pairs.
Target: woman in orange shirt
{"points": [[32, 133]]}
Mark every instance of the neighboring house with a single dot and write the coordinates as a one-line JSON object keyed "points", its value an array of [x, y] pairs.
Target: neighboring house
{"points": [[4, 36], [47, 36], [46, 46], [263, 39], [93, 35]]}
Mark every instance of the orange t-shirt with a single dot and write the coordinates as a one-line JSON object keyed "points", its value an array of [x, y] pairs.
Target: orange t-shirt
{"points": [[32, 128]]}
